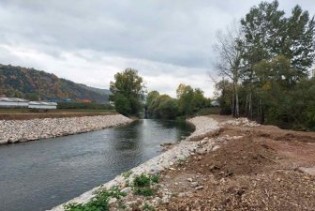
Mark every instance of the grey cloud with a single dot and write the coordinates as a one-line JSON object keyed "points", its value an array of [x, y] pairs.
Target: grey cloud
{"points": [[159, 37]]}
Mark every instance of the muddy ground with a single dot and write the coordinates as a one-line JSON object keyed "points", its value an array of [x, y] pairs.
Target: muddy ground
{"points": [[263, 168]]}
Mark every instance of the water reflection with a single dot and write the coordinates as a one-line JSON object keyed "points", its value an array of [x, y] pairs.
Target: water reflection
{"points": [[52, 171]]}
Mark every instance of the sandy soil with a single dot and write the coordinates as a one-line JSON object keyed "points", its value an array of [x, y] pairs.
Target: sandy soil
{"points": [[263, 168]]}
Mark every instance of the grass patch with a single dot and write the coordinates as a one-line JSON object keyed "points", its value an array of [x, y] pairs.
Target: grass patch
{"points": [[208, 111], [142, 184], [144, 191], [126, 174], [148, 207], [98, 202], [144, 180]]}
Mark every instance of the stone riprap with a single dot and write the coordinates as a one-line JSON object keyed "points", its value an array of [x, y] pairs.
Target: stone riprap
{"points": [[203, 127], [14, 131]]}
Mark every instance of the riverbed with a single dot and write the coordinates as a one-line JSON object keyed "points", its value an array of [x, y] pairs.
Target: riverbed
{"points": [[39, 175]]}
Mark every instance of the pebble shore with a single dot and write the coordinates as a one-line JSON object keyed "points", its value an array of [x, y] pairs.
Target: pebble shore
{"points": [[14, 131], [204, 126]]}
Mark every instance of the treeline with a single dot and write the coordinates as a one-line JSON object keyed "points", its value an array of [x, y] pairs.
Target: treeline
{"points": [[188, 102], [77, 105], [266, 64], [130, 98]]}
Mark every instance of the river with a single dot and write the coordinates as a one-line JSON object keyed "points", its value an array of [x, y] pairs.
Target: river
{"points": [[39, 175]]}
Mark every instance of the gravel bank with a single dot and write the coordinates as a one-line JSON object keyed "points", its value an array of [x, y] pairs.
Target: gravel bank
{"points": [[14, 131], [203, 126]]}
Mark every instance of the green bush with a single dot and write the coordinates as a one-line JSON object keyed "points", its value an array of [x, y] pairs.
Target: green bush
{"points": [[144, 191], [142, 184], [142, 181], [155, 178], [148, 207], [98, 202], [126, 174], [208, 111], [75, 105]]}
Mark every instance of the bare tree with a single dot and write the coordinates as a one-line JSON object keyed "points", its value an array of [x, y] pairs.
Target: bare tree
{"points": [[228, 50]]}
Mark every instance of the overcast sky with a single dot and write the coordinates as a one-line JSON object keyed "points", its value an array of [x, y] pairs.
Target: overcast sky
{"points": [[88, 41]]}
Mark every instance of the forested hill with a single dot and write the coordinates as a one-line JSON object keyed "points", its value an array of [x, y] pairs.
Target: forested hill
{"points": [[39, 85]]}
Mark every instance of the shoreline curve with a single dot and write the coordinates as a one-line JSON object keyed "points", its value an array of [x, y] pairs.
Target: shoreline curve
{"points": [[17, 131], [204, 126]]}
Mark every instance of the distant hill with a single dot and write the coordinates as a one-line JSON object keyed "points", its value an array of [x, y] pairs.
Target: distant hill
{"points": [[38, 85]]}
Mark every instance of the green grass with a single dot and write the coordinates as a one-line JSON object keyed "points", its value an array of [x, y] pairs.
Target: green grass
{"points": [[144, 191], [142, 184], [148, 207], [126, 174], [208, 111], [98, 202]]}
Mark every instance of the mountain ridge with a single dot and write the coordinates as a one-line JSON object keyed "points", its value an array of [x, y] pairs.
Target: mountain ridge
{"points": [[32, 84]]}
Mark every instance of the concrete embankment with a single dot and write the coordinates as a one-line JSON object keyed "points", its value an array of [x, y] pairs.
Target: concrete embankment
{"points": [[204, 126], [14, 131]]}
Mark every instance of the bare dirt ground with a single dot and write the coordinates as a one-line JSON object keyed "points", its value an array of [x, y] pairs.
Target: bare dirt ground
{"points": [[26, 114], [267, 168]]}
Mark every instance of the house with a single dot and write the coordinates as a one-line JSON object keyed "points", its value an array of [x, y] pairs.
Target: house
{"points": [[9, 102], [84, 101], [215, 103]]}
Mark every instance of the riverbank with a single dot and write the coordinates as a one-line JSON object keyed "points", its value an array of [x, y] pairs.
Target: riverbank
{"points": [[204, 126], [237, 165], [15, 131], [27, 114]]}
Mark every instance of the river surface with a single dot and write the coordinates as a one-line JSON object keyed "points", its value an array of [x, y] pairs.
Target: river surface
{"points": [[41, 174]]}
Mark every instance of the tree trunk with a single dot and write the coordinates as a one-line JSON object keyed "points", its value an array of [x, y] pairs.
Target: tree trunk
{"points": [[237, 106], [250, 106]]}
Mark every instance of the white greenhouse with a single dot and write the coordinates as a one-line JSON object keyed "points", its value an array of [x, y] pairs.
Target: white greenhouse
{"points": [[6, 102], [42, 105]]}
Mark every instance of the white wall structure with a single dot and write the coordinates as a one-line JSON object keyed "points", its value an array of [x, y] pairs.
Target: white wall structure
{"points": [[7, 102], [42, 105]]}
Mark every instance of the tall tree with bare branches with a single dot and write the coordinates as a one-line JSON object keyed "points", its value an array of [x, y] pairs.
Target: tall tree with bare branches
{"points": [[228, 48]]}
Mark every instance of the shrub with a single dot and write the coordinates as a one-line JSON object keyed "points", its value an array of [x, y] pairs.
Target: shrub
{"points": [[142, 181], [98, 202], [155, 178], [126, 174], [145, 180], [142, 184], [144, 191], [148, 207]]}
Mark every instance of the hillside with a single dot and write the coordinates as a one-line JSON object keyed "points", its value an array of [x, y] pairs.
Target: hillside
{"points": [[38, 85]]}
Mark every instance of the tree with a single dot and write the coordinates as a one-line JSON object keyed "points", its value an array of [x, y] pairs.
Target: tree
{"points": [[190, 100], [122, 104], [226, 97], [185, 95], [127, 90], [275, 46], [161, 106], [229, 50]]}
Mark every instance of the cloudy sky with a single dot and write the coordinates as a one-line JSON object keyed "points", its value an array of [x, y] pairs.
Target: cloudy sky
{"points": [[88, 41]]}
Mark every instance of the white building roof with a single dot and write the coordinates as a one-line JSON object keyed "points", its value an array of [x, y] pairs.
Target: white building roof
{"points": [[12, 99], [42, 103]]}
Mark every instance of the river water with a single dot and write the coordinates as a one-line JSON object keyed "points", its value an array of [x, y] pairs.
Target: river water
{"points": [[42, 174]]}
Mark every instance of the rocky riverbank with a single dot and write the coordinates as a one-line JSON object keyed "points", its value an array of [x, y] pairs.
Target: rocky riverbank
{"points": [[204, 126], [235, 164], [14, 131]]}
